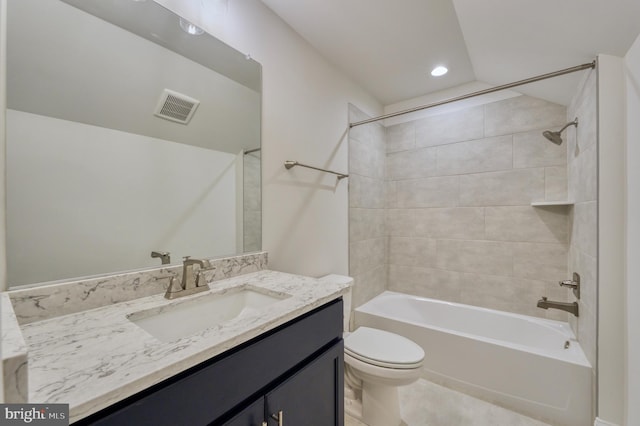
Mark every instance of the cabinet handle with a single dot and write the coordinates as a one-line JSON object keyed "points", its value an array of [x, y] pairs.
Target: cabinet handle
{"points": [[279, 418]]}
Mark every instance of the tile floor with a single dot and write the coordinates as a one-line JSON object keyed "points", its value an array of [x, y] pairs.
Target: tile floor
{"points": [[427, 404]]}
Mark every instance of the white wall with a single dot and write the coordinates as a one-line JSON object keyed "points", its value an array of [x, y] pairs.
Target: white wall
{"points": [[611, 237], [632, 80], [83, 200], [305, 99]]}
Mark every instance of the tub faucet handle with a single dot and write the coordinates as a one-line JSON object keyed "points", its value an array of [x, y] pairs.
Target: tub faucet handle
{"points": [[572, 284]]}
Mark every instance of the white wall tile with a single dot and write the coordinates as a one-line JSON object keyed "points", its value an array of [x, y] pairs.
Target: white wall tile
{"points": [[366, 224], [488, 291], [583, 107], [367, 202], [426, 282], [533, 224], [481, 155], [555, 184], [366, 192], [457, 224], [521, 114], [462, 125], [412, 251], [411, 164], [481, 257], [508, 188], [367, 158], [366, 254], [400, 222], [584, 234], [509, 294], [369, 284], [541, 254], [586, 267], [428, 192], [532, 271], [401, 137], [582, 188], [584, 178], [361, 133], [390, 194], [531, 149], [451, 223]]}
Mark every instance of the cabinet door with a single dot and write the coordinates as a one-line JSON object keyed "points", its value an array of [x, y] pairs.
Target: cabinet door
{"points": [[253, 415], [313, 396]]}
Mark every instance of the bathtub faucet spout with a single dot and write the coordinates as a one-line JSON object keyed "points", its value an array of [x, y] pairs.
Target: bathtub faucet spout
{"points": [[572, 308]]}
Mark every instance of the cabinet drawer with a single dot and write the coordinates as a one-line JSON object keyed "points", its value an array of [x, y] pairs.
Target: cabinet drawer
{"points": [[203, 393]]}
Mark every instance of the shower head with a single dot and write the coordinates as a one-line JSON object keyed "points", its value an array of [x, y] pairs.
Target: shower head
{"points": [[555, 136]]}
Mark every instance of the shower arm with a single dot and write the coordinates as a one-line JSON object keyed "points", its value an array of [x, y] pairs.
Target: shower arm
{"points": [[573, 123]]}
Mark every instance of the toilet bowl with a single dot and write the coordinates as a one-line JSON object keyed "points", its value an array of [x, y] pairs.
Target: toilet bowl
{"points": [[376, 363]]}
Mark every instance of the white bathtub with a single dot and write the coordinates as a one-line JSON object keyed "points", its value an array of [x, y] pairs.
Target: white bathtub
{"points": [[516, 361]]}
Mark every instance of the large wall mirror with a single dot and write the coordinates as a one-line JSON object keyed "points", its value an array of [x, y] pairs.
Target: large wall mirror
{"points": [[106, 159]]}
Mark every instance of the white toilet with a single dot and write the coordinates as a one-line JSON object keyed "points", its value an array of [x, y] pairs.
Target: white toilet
{"points": [[376, 363]]}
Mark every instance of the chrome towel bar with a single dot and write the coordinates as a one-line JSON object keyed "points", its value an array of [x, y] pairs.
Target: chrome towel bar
{"points": [[289, 164]]}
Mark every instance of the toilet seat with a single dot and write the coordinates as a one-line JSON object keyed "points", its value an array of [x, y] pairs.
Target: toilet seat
{"points": [[383, 349]]}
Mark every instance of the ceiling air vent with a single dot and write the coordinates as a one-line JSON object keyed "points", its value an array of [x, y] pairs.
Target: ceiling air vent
{"points": [[176, 107]]}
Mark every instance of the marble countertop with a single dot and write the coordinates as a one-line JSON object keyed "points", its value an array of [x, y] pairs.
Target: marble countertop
{"points": [[94, 358]]}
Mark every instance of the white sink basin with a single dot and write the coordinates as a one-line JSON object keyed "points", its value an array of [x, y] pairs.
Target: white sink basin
{"points": [[183, 318]]}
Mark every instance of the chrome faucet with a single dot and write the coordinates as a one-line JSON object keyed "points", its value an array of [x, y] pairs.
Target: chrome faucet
{"points": [[189, 284], [572, 308], [187, 272], [165, 256]]}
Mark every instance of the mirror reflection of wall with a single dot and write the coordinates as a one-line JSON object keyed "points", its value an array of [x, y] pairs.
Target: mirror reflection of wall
{"points": [[252, 201], [96, 181]]}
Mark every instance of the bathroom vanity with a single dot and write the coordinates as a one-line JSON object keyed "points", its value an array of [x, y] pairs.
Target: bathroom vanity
{"points": [[277, 363], [293, 374]]}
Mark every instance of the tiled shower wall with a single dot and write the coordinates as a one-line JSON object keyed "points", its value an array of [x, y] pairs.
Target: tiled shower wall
{"points": [[460, 223], [583, 184], [367, 230]]}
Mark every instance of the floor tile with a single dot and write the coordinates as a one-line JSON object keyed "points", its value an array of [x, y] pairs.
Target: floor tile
{"points": [[427, 404]]}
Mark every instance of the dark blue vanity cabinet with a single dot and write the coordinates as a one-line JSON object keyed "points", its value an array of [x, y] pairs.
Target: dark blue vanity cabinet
{"points": [[311, 396], [294, 372]]}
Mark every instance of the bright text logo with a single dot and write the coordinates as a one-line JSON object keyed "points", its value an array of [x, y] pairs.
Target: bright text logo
{"points": [[36, 414]]}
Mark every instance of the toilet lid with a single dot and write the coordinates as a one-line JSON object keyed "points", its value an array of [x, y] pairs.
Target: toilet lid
{"points": [[382, 348]]}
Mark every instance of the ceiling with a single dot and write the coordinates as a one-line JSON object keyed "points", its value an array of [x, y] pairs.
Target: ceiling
{"points": [[390, 47], [71, 65]]}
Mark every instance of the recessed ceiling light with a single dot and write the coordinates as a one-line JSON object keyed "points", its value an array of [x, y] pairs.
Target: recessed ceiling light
{"points": [[189, 28], [438, 71]]}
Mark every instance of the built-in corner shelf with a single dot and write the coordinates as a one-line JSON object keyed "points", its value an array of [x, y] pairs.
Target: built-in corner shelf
{"points": [[551, 203]]}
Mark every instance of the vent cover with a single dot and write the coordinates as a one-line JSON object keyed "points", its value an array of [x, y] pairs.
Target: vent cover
{"points": [[176, 107]]}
